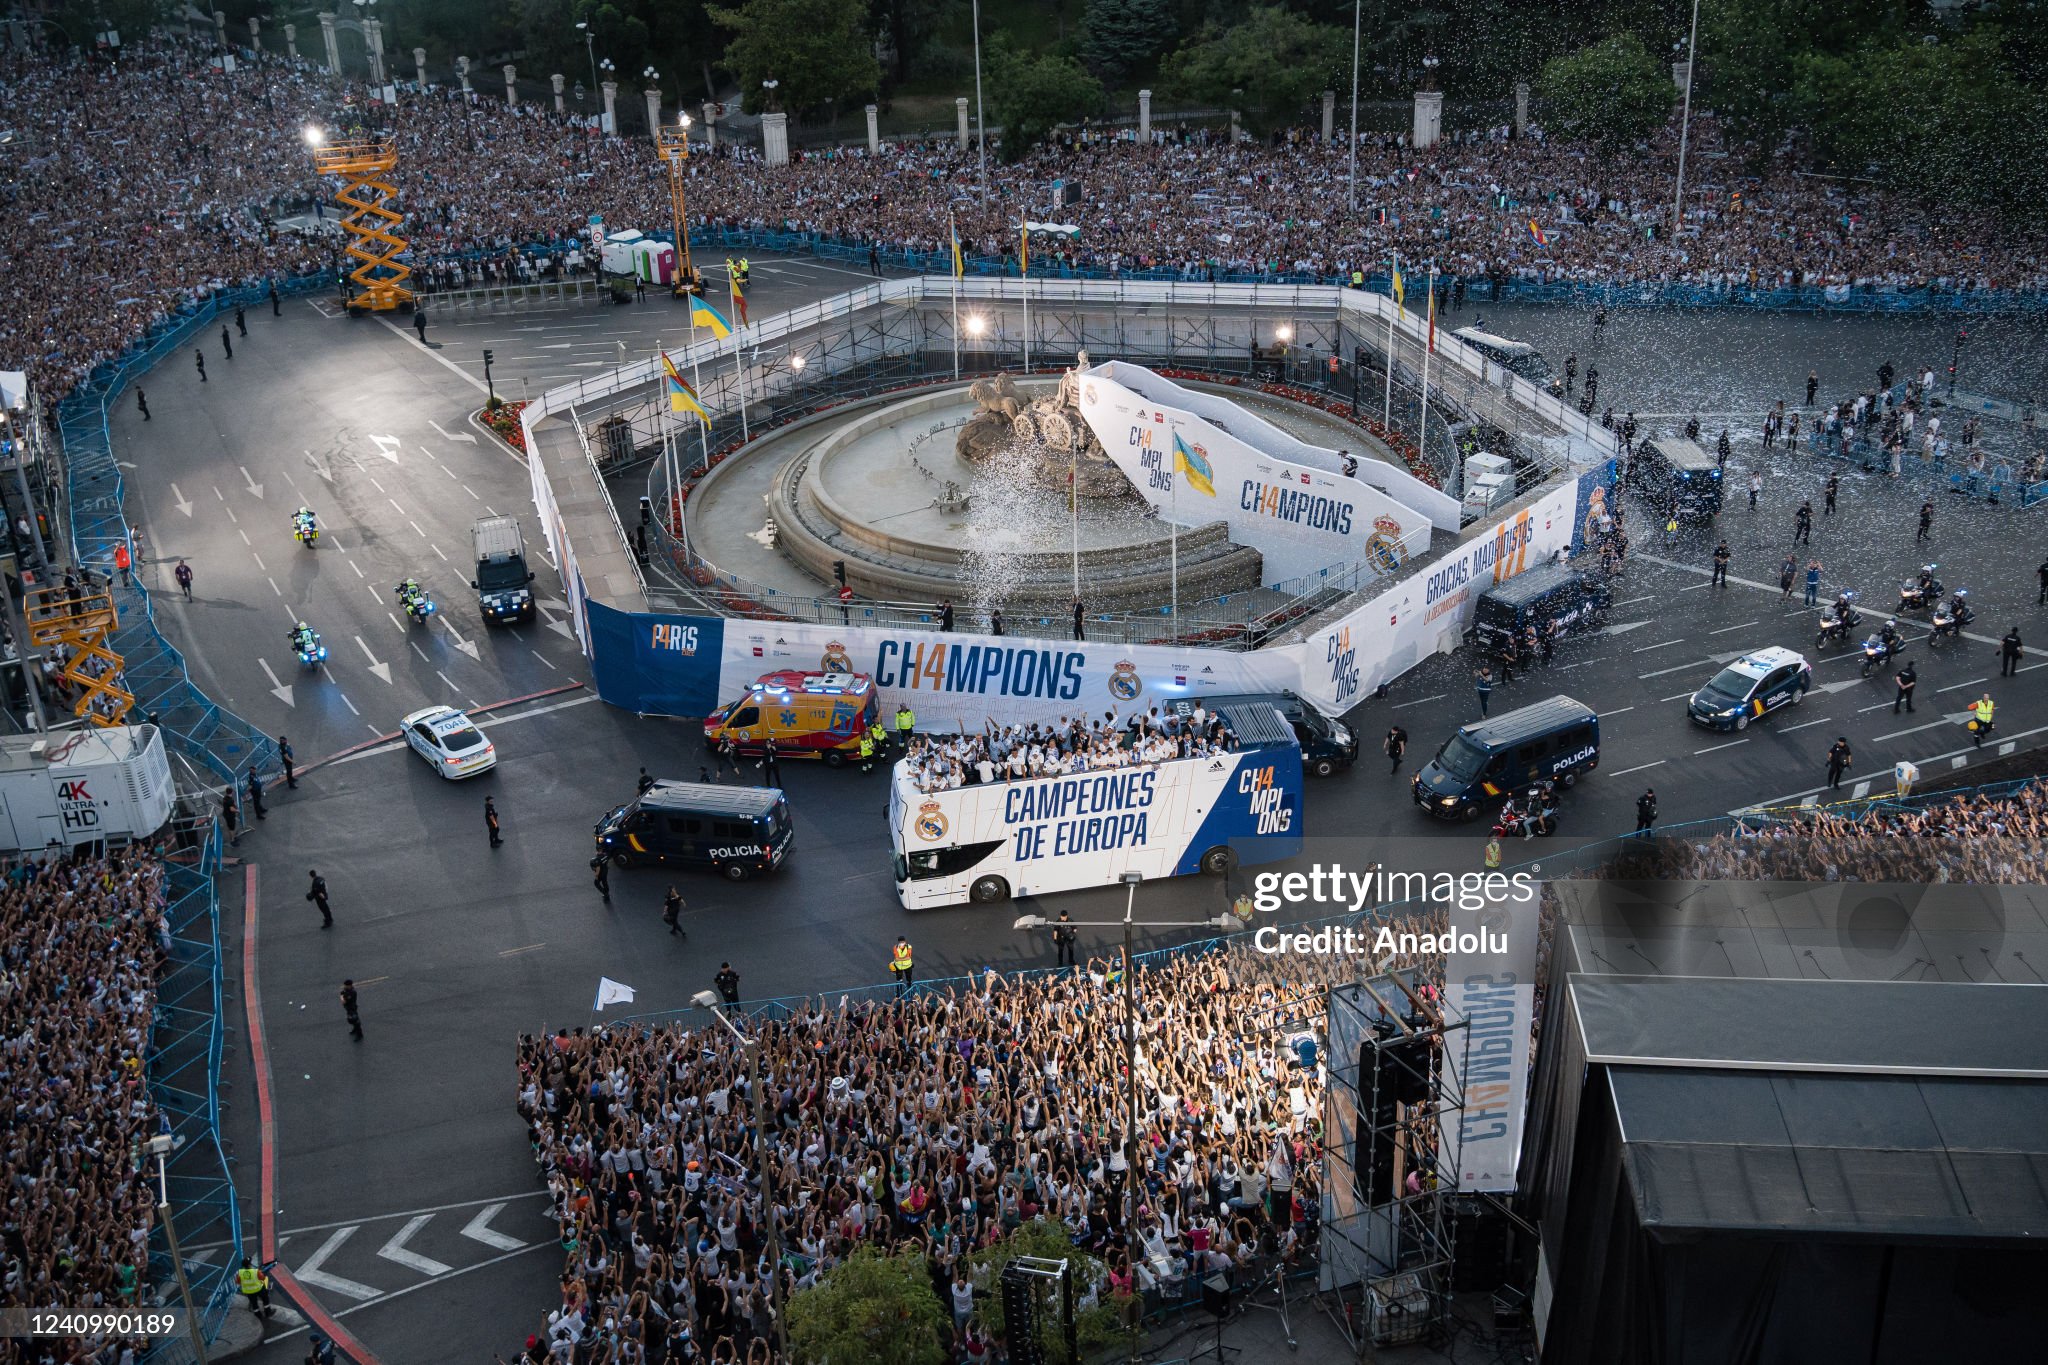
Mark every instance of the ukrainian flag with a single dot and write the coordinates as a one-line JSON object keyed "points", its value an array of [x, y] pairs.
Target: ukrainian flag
{"points": [[702, 314], [681, 397], [1200, 474]]}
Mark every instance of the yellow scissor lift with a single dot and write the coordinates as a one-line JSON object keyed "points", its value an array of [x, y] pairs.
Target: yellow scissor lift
{"points": [[371, 223], [81, 621]]}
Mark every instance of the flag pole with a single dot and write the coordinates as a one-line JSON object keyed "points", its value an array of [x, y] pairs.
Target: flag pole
{"points": [[1387, 409], [697, 383], [1422, 427], [1074, 513], [953, 240], [1173, 570], [1024, 283], [739, 372]]}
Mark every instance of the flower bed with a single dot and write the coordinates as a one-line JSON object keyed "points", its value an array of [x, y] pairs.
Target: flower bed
{"points": [[503, 420]]}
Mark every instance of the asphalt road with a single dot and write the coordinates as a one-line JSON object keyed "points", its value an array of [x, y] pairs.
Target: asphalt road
{"points": [[403, 1179]]}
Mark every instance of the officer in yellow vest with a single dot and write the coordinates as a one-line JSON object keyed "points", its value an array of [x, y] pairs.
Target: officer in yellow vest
{"points": [[746, 273], [867, 752], [253, 1285], [906, 720], [1493, 854], [1358, 279], [1983, 709], [900, 965]]}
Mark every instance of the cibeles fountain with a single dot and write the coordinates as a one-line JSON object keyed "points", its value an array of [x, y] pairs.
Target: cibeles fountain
{"points": [[1109, 482]]}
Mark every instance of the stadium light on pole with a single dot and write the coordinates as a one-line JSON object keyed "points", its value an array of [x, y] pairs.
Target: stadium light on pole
{"points": [[752, 1047], [590, 49]]}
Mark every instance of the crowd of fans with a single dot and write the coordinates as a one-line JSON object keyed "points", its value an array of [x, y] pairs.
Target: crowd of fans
{"points": [[1073, 745], [81, 943], [145, 183], [935, 1124]]}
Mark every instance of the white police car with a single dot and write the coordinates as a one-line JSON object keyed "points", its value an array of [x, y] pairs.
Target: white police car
{"points": [[450, 741], [1749, 687]]}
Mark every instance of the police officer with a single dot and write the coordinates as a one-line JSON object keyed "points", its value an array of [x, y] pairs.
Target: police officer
{"points": [[771, 775], [1395, 745], [672, 910], [728, 983], [1063, 941], [1646, 810], [1839, 759], [601, 876], [348, 1008], [317, 893], [1721, 564], [906, 721], [2009, 652], [256, 795], [254, 1286], [901, 966], [1907, 680], [867, 751], [284, 756], [644, 784], [1981, 709], [491, 821]]}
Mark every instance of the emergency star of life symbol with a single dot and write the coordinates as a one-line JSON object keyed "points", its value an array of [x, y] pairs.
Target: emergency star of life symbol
{"points": [[931, 822]]}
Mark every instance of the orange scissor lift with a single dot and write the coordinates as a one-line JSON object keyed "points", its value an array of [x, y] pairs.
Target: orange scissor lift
{"points": [[371, 222], [82, 622]]}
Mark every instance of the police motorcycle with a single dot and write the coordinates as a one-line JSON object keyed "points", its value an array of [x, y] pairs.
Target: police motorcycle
{"points": [[1921, 593], [1880, 648], [1537, 814], [1837, 621], [1950, 620], [304, 528], [414, 601], [306, 644]]}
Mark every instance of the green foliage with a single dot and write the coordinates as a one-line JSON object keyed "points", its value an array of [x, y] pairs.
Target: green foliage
{"points": [[1949, 118], [870, 1309], [818, 50], [1029, 96], [1279, 59], [1613, 93], [910, 25], [1123, 36], [1751, 51], [1095, 1329]]}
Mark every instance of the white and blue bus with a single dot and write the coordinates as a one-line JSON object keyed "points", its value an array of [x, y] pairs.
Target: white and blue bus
{"points": [[989, 842]]}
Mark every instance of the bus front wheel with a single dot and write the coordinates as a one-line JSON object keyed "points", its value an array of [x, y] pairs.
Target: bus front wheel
{"points": [[1218, 861], [988, 891]]}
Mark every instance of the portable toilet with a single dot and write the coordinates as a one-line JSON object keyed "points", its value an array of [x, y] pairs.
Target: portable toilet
{"points": [[654, 261]]}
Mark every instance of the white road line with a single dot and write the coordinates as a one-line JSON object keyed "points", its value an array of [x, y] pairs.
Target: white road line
{"points": [[416, 529], [446, 679], [396, 1249], [231, 513], [544, 659], [1675, 696], [1638, 768], [437, 550], [1878, 706], [261, 567], [395, 621], [1725, 629], [359, 572], [1900, 734], [490, 511], [380, 487], [1718, 747], [1419, 701], [246, 541], [1645, 649], [217, 493], [471, 491], [421, 652], [273, 585], [349, 704], [1957, 686], [445, 469], [1788, 729], [395, 506], [1695, 587], [335, 541], [1630, 601], [479, 1229], [309, 1271], [1603, 715]]}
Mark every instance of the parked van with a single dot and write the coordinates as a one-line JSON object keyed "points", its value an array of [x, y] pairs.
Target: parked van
{"points": [[1537, 597], [740, 832], [1557, 739], [1326, 745], [1678, 478], [819, 715]]}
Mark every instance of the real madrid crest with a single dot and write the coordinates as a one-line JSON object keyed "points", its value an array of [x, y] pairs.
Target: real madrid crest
{"points": [[836, 659], [1383, 547], [1124, 682], [931, 822]]}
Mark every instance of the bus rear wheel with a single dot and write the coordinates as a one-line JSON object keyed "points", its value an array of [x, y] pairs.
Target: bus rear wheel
{"points": [[1218, 861], [988, 891]]}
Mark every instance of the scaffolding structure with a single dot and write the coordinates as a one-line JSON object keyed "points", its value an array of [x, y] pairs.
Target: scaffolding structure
{"points": [[674, 145], [78, 623], [371, 222]]}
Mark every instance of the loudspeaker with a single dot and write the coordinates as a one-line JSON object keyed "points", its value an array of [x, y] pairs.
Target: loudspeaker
{"points": [[1216, 1295]]}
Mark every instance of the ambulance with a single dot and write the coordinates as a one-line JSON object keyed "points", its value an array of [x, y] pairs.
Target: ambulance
{"points": [[810, 715]]}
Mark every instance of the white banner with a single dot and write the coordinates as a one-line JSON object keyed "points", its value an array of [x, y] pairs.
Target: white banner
{"points": [[1495, 993], [958, 683]]}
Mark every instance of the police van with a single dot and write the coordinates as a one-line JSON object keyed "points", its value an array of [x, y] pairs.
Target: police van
{"points": [[1545, 595], [1677, 478], [739, 832], [989, 842], [1555, 740]]}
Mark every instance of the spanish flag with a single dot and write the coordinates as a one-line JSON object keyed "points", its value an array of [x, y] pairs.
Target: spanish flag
{"points": [[739, 300], [1537, 233], [1024, 251], [1201, 475], [702, 314], [959, 263], [681, 397]]}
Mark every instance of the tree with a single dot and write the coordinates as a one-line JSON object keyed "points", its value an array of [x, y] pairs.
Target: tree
{"points": [[1612, 92], [1095, 1329], [1122, 36], [1752, 50], [1030, 96], [1278, 59], [818, 50], [872, 1309]]}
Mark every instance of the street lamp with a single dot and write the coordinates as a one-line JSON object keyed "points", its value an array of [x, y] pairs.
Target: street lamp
{"points": [[770, 87], [365, 12], [1224, 921], [1429, 66], [976, 324], [158, 1147], [752, 1047], [590, 49], [1284, 332], [1685, 124]]}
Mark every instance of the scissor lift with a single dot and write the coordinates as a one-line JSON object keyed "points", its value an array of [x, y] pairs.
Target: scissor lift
{"points": [[371, 221], [81, 621]]}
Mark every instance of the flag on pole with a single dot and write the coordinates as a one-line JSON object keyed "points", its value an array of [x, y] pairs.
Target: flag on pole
{"points": [[681, 397], [739, 300], [1024, 251], [702, 314], [1537, 233], [610, 992], [1400, 287], [1432, 311], [1201, 475], [959, 262]]}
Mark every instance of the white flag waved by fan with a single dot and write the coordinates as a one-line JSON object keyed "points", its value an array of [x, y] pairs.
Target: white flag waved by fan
{"points": [[610, 992]]}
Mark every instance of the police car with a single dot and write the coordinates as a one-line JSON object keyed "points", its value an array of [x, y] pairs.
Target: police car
{"points": [[1749, 687], [450, 741]]}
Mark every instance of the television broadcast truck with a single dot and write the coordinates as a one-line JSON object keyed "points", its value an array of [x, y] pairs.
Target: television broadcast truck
{"points": [[985, 843]]}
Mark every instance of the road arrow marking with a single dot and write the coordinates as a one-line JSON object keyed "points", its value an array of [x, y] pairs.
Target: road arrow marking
{"points": [[1842, 686], [179, 501], [461, 436], [254, 487], [395, 1249], [466, 646], [320, 466], [1624, 628], [311, 1273], [282, 691], [479, 1229], [381, 670], [387, 446]]}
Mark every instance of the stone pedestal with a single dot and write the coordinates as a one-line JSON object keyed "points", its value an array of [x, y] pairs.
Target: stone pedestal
{"points": [[373, 31], [775, 139], [652, 94], [255, 35], [960, 114], [462, 73], [327, 38], [1678, 77], [1329, 114], [291, 41], [1236, 130], [557, 81], [611, 95], [1521, 108], [1429, 119], [1145, 117], [511, 86], [419, 66], [710, 125], [874, 130]]}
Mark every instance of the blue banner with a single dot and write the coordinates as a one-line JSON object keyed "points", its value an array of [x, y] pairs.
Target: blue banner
{"points": [[656, 664]]}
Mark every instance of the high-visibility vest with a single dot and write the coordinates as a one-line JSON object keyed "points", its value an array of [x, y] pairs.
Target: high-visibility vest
{"points": [[1492, 854], [899, 958], [867, 746], [905, 718], [249, 1280], [1983, 709]]}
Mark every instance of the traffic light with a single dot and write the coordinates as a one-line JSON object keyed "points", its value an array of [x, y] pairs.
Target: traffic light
{"points": [[839, 571], [487, 355]]}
